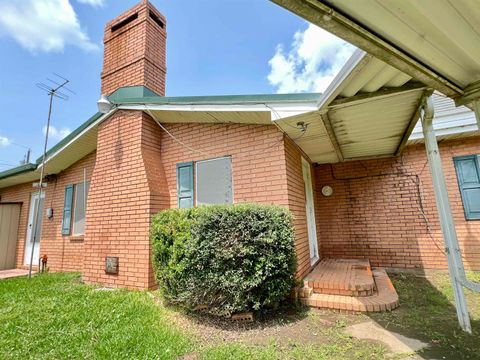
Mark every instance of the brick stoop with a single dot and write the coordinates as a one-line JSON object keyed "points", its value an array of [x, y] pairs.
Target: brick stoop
{"points": [[339, 291], [347, 277]]}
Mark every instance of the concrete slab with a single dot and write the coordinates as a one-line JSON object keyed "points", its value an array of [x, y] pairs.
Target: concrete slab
{"points": [[397, 343], [12, 273]]}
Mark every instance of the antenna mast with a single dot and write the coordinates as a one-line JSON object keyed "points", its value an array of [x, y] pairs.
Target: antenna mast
{"points": [[51, 91]]}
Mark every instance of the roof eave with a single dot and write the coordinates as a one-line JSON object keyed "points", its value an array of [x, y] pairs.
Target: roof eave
{"points": [[18, 170], [327, 17]]}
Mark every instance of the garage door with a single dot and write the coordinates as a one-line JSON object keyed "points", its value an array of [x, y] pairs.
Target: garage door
{"points": [[9, 218]]}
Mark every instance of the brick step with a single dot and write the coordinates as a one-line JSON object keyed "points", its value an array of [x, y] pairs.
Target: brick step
{"points": [[346, 277], [384, 299], [351, 292]]}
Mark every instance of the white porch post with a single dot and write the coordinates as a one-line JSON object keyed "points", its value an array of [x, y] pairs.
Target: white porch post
{"points": [[455, 264]]}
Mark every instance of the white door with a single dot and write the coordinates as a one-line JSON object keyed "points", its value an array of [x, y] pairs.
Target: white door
{"points": [[310, 209], [34, 229]]}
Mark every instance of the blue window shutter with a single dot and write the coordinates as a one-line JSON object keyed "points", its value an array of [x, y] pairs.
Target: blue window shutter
{"points": [[67, 210], [468, 176], [185, 185]]}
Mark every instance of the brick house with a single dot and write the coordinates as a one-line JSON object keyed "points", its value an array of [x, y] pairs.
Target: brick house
{"points": [[349, 163]]}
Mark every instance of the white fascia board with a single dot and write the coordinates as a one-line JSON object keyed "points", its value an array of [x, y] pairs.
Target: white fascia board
{"points": [[195, 108], [264, 106], [278, 110], [98, 121]]}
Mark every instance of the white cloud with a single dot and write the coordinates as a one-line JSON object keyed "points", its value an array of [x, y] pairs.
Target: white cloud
{"points": [[315, 57], [43, 25], [94, 3], [56, 134], [4, 141]]}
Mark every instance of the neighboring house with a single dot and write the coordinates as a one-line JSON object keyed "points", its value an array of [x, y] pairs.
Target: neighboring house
{"points": [[341, 161]]}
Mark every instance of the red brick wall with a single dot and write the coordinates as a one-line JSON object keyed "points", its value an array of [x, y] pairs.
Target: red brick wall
{"points": [[265, 167], [126, 188], [135, 53], [65, 253], [375, 210], [258, 159]]}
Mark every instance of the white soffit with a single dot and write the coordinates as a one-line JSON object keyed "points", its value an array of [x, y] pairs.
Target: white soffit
{"points": [[368, 111], [221, 117], [434, 41], [374, 128], [75, 150], [254, 113], [315, 141], [442, 34], [31, 176]]}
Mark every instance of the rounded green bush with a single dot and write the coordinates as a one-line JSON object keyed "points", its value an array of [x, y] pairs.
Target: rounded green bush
{"points": [[229, 257]]}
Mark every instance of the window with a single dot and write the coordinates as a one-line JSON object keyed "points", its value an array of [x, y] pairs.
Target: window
{"points": [[75, 199], [468, 176], [79, 209], [213, 182]]}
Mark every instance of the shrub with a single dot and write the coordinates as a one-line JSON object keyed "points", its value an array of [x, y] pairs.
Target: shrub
{"points": [[229, 257]]}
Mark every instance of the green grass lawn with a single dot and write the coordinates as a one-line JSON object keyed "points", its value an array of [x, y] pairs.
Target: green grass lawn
{"points": [[427, 313], [54, 316]]}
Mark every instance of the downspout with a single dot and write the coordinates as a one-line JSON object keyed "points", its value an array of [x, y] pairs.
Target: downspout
{"points": [[452, 249]]}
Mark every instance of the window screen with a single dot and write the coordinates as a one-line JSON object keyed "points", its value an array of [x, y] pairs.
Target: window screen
{"points": [[79, 209], [214, 181]]}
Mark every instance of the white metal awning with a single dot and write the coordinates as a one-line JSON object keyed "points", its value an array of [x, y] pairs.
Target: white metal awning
{"points": [[368, 111], [434, 41]]}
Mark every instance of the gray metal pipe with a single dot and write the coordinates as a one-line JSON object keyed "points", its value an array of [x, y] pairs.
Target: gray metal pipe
{"points": [[452, 249]]}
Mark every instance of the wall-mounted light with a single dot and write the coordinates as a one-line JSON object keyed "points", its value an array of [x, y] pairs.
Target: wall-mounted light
{"points": [[104, 105], [327, 191], [302, 126]]}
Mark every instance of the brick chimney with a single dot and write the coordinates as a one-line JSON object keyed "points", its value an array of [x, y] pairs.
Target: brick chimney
{"points": [[134, 50], [128, 178]]}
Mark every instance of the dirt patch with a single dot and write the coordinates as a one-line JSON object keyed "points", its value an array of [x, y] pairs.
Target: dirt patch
{"points": [[288, 326]]}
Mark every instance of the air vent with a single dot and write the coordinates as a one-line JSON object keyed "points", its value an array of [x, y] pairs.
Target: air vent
{"points": [[124, 22], [156, 18]]}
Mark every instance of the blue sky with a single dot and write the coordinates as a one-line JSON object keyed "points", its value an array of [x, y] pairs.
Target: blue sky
{"points": [[213, 47]]}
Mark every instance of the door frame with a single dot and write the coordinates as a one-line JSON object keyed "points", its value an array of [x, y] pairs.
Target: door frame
{"points": [[310, 215], [30, 226]]}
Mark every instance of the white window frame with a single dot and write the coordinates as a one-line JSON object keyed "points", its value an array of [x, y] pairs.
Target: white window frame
{"points": [[74, 208]]}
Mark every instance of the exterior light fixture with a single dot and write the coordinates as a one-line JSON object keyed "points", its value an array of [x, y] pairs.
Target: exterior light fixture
{"points": [[302, 126], [104, 105], [327, 191]]}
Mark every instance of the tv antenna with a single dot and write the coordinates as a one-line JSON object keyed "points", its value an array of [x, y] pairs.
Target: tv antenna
{"points": [[55, 90]]}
